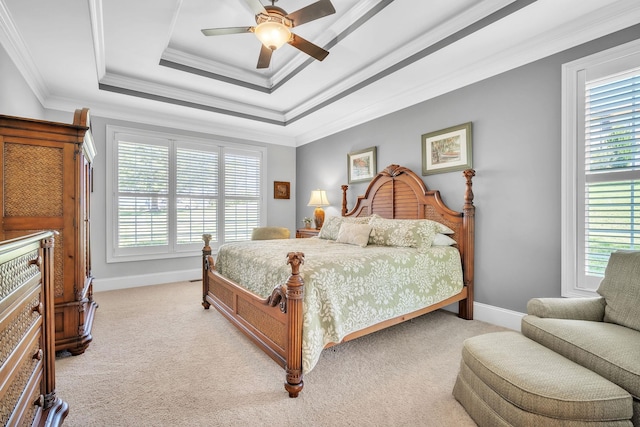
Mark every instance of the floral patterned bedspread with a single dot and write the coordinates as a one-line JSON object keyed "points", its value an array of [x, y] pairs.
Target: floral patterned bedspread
{"points": [[347, 288]]}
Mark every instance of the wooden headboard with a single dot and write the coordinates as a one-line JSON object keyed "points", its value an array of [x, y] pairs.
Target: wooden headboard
{"points": [[397, 192]]}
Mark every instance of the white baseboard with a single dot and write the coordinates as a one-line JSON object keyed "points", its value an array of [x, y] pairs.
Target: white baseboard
{"points": [[497, 316], [494, 315], [111, 284]]}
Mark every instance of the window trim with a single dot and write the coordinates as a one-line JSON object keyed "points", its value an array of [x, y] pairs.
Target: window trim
{"points": [[171, 251], [573, 84]]}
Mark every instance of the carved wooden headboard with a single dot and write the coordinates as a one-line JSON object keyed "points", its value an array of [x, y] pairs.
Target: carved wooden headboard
{"points": [[397, 192]]}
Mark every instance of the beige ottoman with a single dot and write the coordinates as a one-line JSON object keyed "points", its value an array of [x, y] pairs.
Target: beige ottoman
{"points": [[506, 379]]}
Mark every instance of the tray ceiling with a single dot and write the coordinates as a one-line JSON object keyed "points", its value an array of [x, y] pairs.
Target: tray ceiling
{"points": [[148, 61]]}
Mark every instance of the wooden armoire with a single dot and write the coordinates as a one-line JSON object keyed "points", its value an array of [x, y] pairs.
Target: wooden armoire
{"points": [[46, 185]]}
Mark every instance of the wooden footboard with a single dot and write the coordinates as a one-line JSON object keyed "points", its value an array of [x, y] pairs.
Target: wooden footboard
{"points": [[274, 324]]}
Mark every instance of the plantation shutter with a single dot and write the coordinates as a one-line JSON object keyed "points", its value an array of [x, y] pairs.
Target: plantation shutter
{"points": [[196, 194], [143, 191], [242, 193], [611, 170]]}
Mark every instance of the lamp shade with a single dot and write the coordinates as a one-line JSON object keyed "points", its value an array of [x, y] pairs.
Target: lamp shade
{"points": [[272, 34], [318, 198]]}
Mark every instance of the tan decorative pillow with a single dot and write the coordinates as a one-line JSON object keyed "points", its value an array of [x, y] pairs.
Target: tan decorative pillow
{"points": [[621, 289], [354, 234], [332, 225]]}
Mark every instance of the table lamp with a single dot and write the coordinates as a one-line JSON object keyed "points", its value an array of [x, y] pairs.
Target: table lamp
{"points": [[318, 199]]}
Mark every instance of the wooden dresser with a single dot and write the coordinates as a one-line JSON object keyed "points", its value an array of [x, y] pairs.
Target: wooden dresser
{"points": [[303, 233], [27, 335], [45, 185]]}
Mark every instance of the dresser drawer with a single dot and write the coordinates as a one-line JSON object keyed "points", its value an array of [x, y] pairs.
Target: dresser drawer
{"points": [[17, 319], [22, 382], [27, 346]]}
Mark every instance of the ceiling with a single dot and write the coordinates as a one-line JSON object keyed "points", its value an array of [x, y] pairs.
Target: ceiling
{"points": [[147, 61]]}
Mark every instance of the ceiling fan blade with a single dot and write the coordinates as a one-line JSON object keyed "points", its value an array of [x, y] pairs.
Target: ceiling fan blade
{"points": [[256, 6], [312, 12], [228, 30], [265, 57], [307, 47]]}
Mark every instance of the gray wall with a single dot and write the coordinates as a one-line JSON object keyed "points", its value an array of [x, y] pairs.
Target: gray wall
{"points": [[16, 97], [280, 167], [516, 153]]}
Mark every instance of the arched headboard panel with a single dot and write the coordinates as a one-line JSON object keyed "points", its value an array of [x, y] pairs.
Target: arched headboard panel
{"points": [[398, 193]]}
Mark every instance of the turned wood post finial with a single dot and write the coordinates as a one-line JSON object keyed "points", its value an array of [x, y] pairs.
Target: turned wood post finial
{"points": [[344, 199], [468, 194], [207, 239], [295, 259]]}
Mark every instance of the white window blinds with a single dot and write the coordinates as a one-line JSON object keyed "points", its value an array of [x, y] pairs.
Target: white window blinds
{"points": [[168, 192], [242, 197], [612, 169], [143, 193], [196, 195]]}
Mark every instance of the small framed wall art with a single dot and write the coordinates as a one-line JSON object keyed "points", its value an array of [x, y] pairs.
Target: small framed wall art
{"points": [[361, 165], [281, 190], [447, 150]]}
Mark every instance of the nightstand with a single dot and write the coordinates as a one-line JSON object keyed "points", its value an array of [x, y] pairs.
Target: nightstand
{"points": [[303, 233]]}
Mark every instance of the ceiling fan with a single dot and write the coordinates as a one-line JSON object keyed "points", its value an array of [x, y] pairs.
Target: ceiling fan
{"points": [[274, 25]]}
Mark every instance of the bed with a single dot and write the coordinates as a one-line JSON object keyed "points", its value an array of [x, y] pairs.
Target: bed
{"points": [[279, 294]]}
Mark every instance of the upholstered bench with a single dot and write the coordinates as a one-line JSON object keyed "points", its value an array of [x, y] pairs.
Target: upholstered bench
{"points": [[506, 379]]}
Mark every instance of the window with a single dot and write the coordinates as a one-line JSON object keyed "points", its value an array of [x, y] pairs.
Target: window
{"points": [[601, 164], [166, 191]]}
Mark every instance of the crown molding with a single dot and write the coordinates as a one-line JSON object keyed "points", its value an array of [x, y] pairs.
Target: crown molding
{"points": [[598, 24], [17, 50]]}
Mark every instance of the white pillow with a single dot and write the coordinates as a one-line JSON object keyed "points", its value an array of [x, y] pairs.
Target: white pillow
{"points": [[354, 234], [443, 240]]}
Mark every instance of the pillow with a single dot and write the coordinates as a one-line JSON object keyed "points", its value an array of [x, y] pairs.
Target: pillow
{"points": [[441, 239], [354, 234], [412, 233], [441, 228], [332, 224], [620, 288]]}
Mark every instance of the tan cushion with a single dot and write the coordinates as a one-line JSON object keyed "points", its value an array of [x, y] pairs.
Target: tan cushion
{"points": [[354, 234], [332, 224], [268, 233], [621, 289], [488, 408], [568, 308], [540, 381], [610, 350]]}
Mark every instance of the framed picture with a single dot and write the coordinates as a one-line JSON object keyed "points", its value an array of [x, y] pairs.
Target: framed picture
{"points": [[281, 190], [361, 165], [447, 150]]}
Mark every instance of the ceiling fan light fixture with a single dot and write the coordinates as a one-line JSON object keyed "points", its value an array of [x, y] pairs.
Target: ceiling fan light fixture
{"points": [[272, 34]]}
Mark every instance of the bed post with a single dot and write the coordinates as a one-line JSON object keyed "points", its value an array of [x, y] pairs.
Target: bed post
{"points": [[344, 199], [294, 295], [465, 307], [206, 259]]}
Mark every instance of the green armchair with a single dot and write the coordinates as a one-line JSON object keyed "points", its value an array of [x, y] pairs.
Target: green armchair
{"points": [[268, 233], [601, 333]]}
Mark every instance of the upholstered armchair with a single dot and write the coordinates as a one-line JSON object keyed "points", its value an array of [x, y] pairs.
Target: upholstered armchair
{"points": [[268, 233], [601, 333]]}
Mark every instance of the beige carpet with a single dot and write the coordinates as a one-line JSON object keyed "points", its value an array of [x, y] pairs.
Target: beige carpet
{"points": [[159, 359]]}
